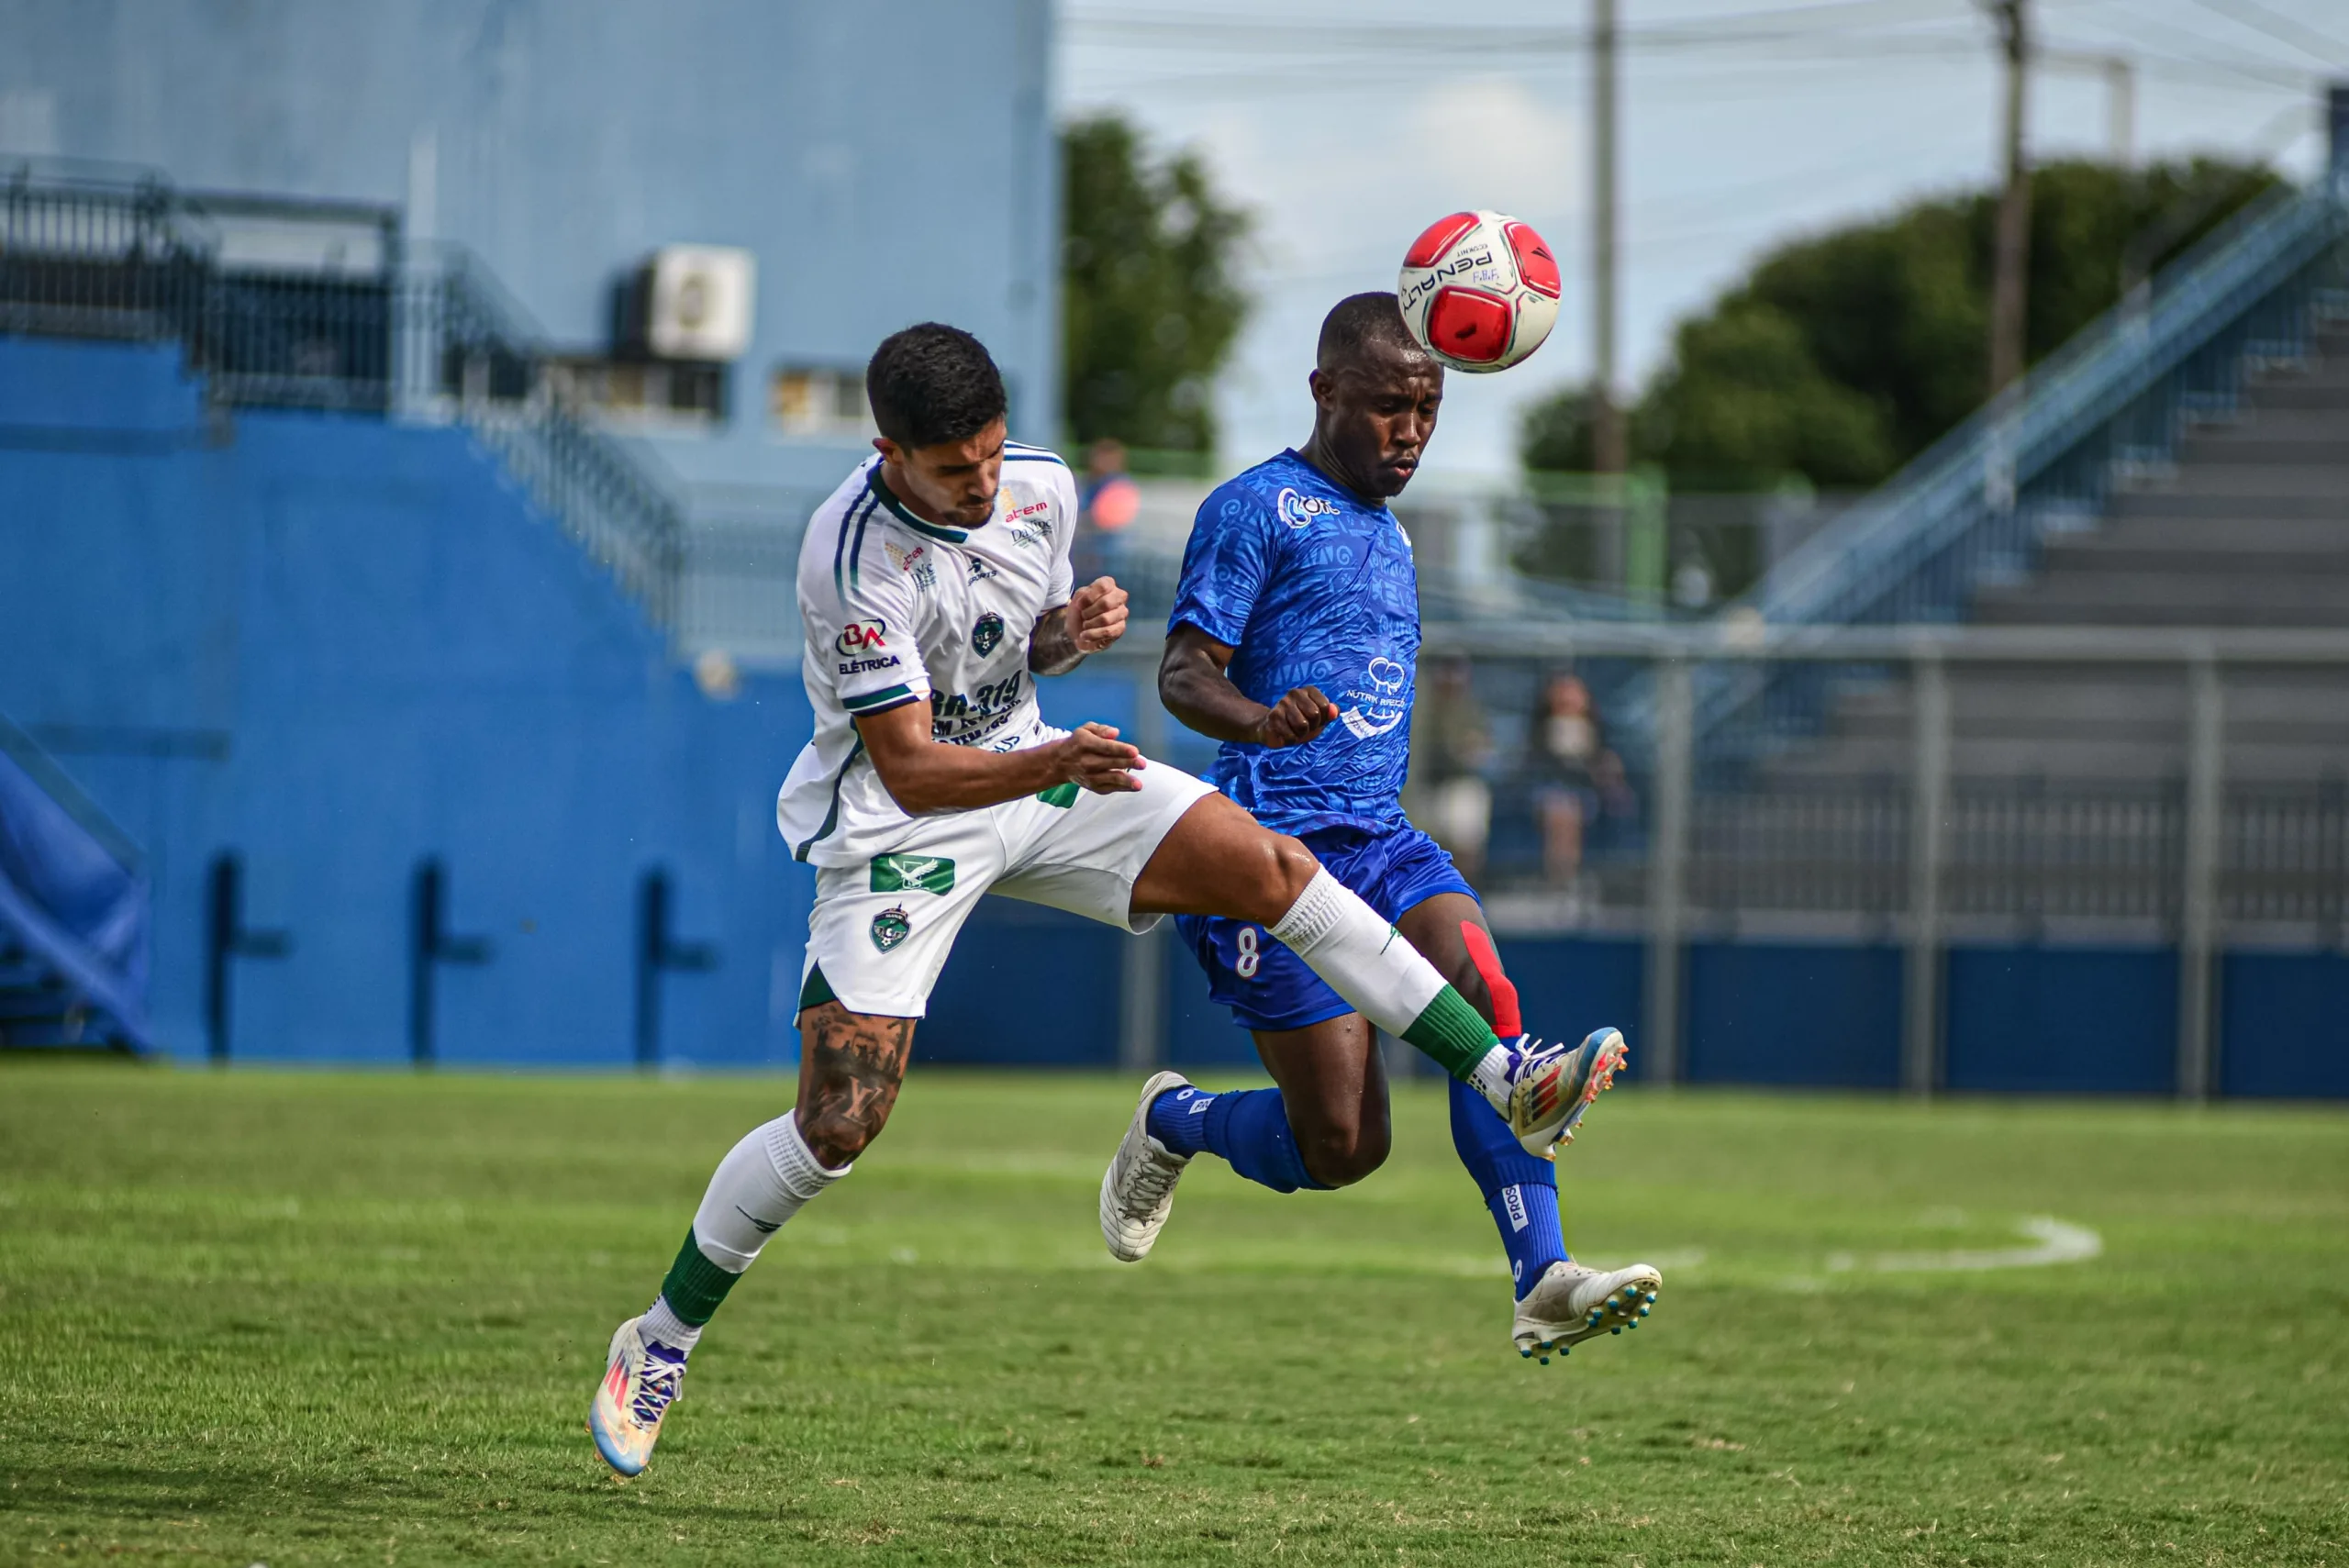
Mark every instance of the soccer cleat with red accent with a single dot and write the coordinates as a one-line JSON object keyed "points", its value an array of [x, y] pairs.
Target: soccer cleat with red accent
{"points": [[1551, 1088], [641, 1381]]}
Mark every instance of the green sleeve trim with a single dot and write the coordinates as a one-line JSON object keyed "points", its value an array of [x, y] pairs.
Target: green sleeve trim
{"points": [[869, 700], [1061, 795]]}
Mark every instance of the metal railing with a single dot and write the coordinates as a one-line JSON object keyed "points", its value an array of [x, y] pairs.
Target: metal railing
{"points": [[313, 305], [2113, 402], [2210, 839]]}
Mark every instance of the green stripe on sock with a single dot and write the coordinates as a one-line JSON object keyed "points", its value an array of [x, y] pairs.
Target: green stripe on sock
{"points": [[1452, 1032], [695, 1285]]}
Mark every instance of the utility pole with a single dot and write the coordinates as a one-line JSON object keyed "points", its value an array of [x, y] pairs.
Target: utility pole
{"points": [[2121, 109], [1608, 444], [2013, 244], [1609, 448]]}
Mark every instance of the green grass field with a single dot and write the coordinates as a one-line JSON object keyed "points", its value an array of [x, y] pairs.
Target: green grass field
{"points": [[297, 1318]]}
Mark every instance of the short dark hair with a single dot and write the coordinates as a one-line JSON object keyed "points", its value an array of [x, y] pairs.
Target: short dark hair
{"points": [[1359, 320], [932, 383]]}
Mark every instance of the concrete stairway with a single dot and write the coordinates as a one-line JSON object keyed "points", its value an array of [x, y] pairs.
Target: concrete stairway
{"points": [[2249, 528]]}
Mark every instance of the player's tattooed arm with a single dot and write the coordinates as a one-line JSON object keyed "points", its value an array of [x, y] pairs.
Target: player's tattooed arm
{"points": [[1094, 617], [923, 775], [849, 1072], [1193, 684]]}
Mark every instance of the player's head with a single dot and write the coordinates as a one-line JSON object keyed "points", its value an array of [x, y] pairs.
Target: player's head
{"points": [[938, 402], [1375, 393]]}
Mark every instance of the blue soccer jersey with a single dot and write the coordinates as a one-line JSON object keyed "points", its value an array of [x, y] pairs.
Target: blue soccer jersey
{"points": [[1314, 586]]}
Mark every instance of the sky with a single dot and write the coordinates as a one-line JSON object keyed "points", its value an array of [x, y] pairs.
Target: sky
{"points": [[1347, 126]]}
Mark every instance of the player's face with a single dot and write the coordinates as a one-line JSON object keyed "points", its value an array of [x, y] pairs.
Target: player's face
{"points": [[953, 482], [1376, 414]]}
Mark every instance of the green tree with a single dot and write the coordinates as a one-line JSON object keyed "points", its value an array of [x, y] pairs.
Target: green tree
{"points": [[1150, 307], [1840, 358]]}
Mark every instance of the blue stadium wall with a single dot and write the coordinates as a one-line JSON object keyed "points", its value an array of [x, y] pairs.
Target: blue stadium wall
{"points": [[335, 646]]}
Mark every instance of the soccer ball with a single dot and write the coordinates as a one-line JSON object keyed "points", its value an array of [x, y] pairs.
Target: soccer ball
{"points": [[1479, 291]]}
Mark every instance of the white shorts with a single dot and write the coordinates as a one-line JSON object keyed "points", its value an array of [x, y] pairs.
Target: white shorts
{"points": [[880, 932]]}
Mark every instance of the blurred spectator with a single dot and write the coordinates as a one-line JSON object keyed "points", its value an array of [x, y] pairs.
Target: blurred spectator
{"points": [[1111, 500], [1451, 746], [1574, 776]]}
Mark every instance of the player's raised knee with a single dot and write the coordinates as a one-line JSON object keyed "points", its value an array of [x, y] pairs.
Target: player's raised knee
{"points": [[1272, 876]]}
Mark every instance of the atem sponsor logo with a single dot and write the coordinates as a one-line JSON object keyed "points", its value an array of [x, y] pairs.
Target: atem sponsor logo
{"points": [[916, 561], [1460, 266], [1013, 513], [862, 637], [1296, 509]]}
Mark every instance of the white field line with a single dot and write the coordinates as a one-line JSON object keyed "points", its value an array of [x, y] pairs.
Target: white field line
{"points": [[2057, 1243]]}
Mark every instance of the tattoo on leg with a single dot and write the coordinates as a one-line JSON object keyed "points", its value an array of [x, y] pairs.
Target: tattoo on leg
{"points": [[848, 1078]]}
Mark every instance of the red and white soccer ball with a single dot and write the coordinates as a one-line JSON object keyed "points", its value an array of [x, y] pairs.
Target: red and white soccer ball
{"points": [[1479, 291]]}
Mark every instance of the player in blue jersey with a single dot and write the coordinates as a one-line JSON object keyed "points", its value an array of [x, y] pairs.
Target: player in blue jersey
{"points": [[1294, 641]]}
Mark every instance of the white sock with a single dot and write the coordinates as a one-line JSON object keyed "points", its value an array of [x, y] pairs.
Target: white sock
{"points": [[760, 1184], [1389, 981], [663, 1327], [1363, 959]]}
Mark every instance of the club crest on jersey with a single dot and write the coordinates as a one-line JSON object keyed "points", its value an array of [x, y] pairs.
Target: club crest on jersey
{"points": [[1297, 510], [986, 633], [891, 927]]}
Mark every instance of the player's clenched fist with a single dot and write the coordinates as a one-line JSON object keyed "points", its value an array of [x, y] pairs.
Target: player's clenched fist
{"points": [[1295, 718], [1096, 616], [1094, 757]]}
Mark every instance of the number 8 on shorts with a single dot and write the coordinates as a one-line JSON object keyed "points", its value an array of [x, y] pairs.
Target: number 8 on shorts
{"points": [[1249, 957]]}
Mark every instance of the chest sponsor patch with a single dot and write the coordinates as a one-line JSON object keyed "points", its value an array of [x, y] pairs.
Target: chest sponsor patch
{"points": [[912, 874], [915, 563], [1377, 699]]}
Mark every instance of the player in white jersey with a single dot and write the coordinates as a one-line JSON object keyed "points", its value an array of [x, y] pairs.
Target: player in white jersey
{"points": [[932, 586]]}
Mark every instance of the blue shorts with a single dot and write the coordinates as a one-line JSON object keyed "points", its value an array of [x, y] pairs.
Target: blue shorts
{"points": [[1268, 987]]}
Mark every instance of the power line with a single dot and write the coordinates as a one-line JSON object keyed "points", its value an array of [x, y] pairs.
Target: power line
{"points": [[1410, 46], [2253, 14]]}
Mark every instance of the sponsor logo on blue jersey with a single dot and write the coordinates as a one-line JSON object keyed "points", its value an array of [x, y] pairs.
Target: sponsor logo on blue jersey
{"points": [[1297, 510]]}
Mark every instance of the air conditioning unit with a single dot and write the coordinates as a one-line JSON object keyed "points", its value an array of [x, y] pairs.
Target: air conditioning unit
{"points": [[698, 301]]}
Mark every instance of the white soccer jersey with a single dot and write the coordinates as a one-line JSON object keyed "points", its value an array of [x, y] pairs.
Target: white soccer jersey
{"points": [[898, 610]]}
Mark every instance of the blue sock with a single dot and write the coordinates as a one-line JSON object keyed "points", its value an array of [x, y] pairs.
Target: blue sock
{"points": [[1247, 1128], [1521, 1190]]}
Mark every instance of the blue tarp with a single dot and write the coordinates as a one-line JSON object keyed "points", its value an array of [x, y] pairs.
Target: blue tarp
{"points": [[77, 904]]}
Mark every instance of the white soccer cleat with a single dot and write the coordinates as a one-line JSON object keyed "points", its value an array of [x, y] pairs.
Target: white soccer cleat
{"points": [[1138, 1189], [642, 1380], [1549, 1087], [1570, 1303]]}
